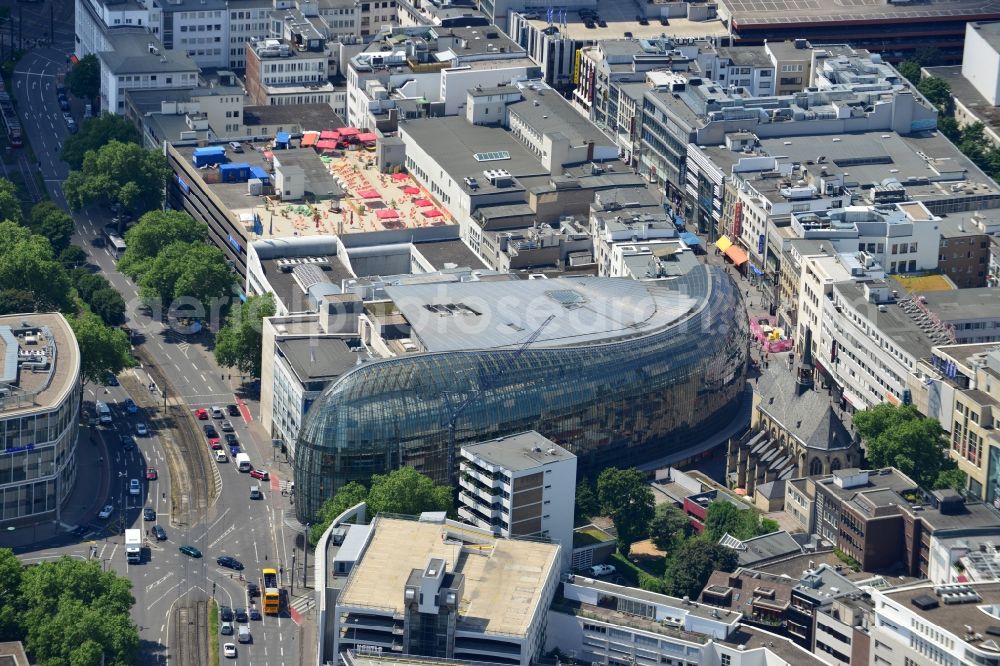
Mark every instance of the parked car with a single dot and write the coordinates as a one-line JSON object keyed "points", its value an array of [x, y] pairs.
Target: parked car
{"points": [[134, 487], [151, 474], [601, 570], [142, 430], [229, 562], [201, 414], [63, 104], [148, 514], [159, 533], [232, 410], [111, 380], [236, 146], [190, 551], [226, 614], [106, 512], [130, 406], [227, 426]]}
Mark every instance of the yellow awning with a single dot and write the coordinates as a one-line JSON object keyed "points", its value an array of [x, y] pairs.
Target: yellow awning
{"points": [[723, 243]]}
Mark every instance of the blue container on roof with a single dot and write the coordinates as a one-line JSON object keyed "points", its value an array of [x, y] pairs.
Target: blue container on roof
{"points": [[209, 155], [281, 140], [234, 173], [259, 172]]}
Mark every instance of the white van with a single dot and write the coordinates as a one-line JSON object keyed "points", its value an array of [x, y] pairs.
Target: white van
{"points": [[244, 634], [103, 413], [243, 462]]}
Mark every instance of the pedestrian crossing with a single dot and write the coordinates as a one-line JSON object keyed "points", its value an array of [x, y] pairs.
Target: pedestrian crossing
{"points": [[303, 605]]}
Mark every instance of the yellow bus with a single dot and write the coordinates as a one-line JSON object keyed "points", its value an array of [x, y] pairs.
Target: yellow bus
{"points": [[272, 593]]}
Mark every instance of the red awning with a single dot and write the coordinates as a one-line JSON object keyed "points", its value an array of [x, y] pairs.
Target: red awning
{"points": [[433, 212], [329, 134], [349, 131], [410, 189], [400, 176], [369, 194], [386, 214], [326, 145], [737, 255], [423, 202], [308, 139], [367, 137]]}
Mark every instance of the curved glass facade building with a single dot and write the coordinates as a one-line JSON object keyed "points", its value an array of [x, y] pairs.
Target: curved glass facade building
{"points": [[623, 372]]}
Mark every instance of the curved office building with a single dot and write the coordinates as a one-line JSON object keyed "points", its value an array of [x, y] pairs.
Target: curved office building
{"points": [[621, 372]]}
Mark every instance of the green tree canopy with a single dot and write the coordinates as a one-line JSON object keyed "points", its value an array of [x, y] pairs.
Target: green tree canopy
{"points": [[910, 70], [10, 204], [938, 92], [27, 264], [16, 301], [94, 133], [109, 305], [899, 436], [11, 573], [73, 611], [72, 257], [627, 498], [669, 527], [407, 491], [103, 350], [404, 491], [239, 342], [727, 518], [84, 78], [87, 283], [152, 233], [349, 495], [187, 270], [119, 173], [586, 500], [49, 220], [948, 126], [689, 568]]}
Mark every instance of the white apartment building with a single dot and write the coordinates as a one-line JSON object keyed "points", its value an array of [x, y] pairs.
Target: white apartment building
{"points": [[868, 345], [137, 61], [94, 20], [249, 20], [342, 17], [439, 588], [928, 624], [520, 485], [200, 30]]}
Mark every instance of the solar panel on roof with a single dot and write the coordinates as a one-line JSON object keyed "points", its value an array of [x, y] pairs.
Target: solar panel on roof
{"points": [[492, 156]]}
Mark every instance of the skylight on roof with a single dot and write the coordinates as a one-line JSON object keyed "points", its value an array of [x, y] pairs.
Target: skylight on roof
{"points": [[492, 156]]}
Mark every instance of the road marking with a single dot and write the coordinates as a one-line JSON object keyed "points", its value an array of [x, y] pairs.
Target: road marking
{"points": [[203, 378], [222, 536], [155, 583]]}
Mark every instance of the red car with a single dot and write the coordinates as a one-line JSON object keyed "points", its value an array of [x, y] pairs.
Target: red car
{"points": [[201, 414], [214, 443], [260, 474], [151, 474]]}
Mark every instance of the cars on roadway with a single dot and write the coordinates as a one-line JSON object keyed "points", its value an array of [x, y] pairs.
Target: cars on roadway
{"points": [[127, 442], [190, 551], [229, 650], [214, 443], [151, 474], [134, 487], [226, 628], [142, 430], [260, 474], [255, 613], [234, 449], [227, 426], [159, 533], [601, 570], [106, 512], [229, 562], [210, 430], [111, 380], [148, 514], [216, 412], [241, 615], [220, 456], [226, 614], [232, 410], [231, 439], [253, 590], [201, 414], [130, 406]]}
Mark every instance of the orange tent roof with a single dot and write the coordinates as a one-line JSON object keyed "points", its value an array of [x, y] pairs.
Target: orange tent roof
{"points": [[738, 256]]}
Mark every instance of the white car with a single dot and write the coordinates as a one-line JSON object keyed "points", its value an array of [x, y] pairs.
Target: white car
{"points": [[220, 456], [141, 430], [106, 512], [217, 412], [134, 488], [229, 650], [601, 570]]}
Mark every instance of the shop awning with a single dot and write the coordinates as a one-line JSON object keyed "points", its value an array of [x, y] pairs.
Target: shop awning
{"points": [[367, 137], [398, 177], [410, 189], [326, 144], [329, 134], [433, 212], [349, 131], [755, 270], [723, 243], [689, 238], [309, 139], [737, 255], [423, 202], [369, 194], [387, 214]]}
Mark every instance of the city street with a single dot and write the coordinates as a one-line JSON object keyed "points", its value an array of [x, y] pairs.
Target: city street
{"points": [[169, 587]]}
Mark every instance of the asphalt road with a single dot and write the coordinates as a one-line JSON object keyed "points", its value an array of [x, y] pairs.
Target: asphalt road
{"points": [[169, 587]]}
